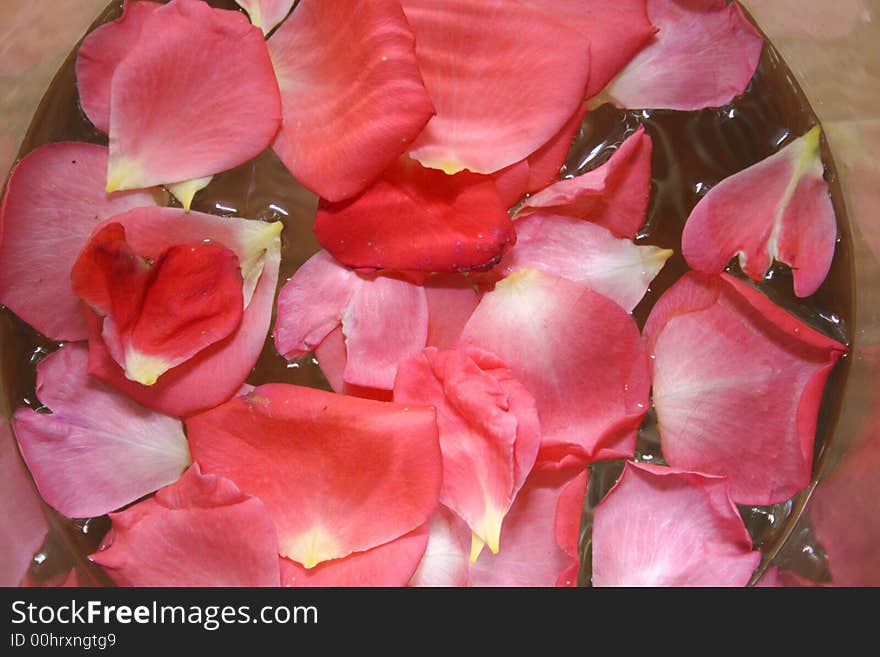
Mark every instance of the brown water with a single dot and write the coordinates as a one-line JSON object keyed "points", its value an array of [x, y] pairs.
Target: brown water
{"points": [[692, 152]]}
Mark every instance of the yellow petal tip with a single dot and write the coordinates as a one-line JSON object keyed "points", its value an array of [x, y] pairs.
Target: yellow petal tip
{"points": [[477, 546]]}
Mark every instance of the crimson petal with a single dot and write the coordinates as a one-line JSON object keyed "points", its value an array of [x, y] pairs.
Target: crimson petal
{"points": [[54, 200], [338, 474], [664, 527], [737, 386]]}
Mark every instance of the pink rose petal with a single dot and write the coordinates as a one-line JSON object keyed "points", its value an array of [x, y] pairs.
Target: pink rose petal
{"points": [[451, 302], [350, 111], [98, 450], [266, 14], [54, 200], [338, 474], [551, 332], [200, 531], [737, 386], [477, 57], [332, 355], [704, 54], [614, 195], [447, 557], [778, 209], [664, 527]]}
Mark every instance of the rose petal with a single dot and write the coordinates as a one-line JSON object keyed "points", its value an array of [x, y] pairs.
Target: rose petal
{"points": [[476, 57], [737, 386], [331, 355], [778, 209], [447, 557], [158, 315], [54, 200], [585, 253], [98, 450], [451, 302], [216, 373], [664, 527], [418, 219], [200, 531], [207, 86], [614, 195], [550, 331], [338, 474], [489, 431], [266, 14], [704, 54], [348, 112], [530, 554], [391, 564]]}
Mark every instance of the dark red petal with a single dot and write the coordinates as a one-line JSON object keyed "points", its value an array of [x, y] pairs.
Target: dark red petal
{"points": [[664, 527], [778, 209], [703, 55], [420, 220], [266, 14], [207, 87], [614, 195], [737, 386], [477, 57], [54, 200], [98, 450], [200, 531], [446, 559], [391, 564], [348, 112], [551, 331], [338, 474]]}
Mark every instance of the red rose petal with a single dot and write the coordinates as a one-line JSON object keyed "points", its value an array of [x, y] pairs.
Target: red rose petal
{"points": [[98, 450], [704, 54], [200, 531], [338, 474], [54, 200], [207, 86], [489, 431], [614, 195], [348, 112], [586, 253], [266, 14], [664, 527], [418, 219], [550, 331], [530, 554], [216, 373], [447, 557], [22, 524], [158, 315], [477, 57], [778, 209], [391, 564], [737, 386]]}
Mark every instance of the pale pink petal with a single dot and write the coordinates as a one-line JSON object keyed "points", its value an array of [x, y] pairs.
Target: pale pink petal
{"points": [[704, 55], [664, 527], [737, 386], [447, 557], [200, 531], [451, 302], [550, 332], [477, 57], [54, 200], [98, 450], [349, 111], [778, 209], [266, 14]]}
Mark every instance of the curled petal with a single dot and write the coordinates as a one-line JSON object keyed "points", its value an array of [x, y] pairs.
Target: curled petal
{"points": [[266, 14], [366, 101], [664, 527], [614, 195], [446, 559], [583, 252], [537, 323], [737, 386], [200, 531], [778, 209], [338, 474], [476, 57], [704, 55], [98, 450], [54, 200]]}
